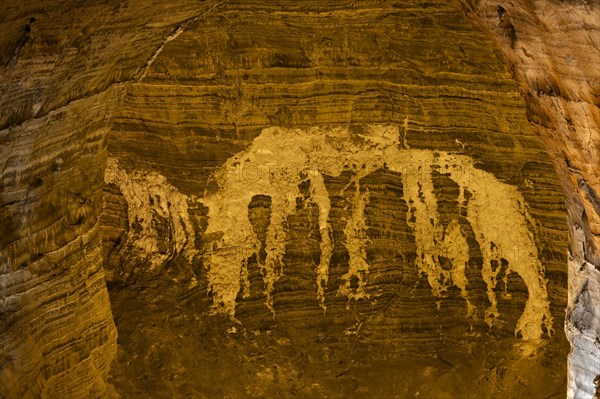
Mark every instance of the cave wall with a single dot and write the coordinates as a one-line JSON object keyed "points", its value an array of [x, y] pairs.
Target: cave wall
{"points": [[61, 88], [58, 336]]}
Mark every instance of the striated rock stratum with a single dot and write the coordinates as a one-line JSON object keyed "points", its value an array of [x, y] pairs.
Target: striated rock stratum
{"points": [[299, 199]]}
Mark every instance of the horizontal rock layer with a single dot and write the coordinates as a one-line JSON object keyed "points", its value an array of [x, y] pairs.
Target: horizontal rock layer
{"points": [[53, 55], [552, 46]]}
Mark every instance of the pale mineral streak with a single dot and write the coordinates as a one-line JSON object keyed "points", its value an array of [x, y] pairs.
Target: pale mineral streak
{"points": [[356, 240], [320, 197], [496, 212], [149, 195]]}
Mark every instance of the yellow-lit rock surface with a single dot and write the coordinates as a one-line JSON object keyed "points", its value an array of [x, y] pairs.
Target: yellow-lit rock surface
{"points": [[298, 199], [57, 332]]}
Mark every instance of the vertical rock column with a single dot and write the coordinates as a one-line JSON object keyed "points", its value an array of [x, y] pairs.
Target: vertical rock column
{"points": [[62, 67], [56, 329]]}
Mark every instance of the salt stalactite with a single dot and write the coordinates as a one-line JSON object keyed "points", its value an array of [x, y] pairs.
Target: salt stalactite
{"points": [[320, 196], [281, 207], [356, 241], [500, 221], [235, 239], [456, 248], [280, 159], [263, 170], [422, 217], [431, 239]]}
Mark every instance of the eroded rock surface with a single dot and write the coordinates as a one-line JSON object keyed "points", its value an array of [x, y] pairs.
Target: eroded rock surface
{"points": [[56, 328]]}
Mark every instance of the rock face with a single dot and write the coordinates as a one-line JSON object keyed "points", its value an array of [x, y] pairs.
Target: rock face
{"points": [[57, 330], [341, 200]]}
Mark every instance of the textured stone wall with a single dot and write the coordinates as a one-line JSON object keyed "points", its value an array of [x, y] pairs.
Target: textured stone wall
{"points": [[58, 336], [197, 84]]}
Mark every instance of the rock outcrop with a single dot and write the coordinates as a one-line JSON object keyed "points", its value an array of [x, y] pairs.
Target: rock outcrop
{"points": [[57, 332]]}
